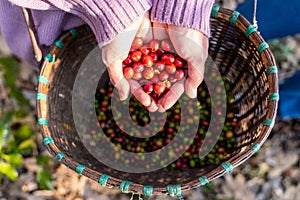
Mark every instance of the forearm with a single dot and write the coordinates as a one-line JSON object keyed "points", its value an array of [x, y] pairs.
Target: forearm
{"points": [[107, 18], [193, 14]]}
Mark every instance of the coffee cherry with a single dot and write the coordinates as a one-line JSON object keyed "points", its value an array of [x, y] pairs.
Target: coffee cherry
{"points": [[160, 52], [172, 79], [137, 76], [128, 61], [128, 72], [147, 60], [159, 66], [229, 134], [137, 43], [154, 62], [154, 45], [166, 45], [178, 62], [168, 58], [168, 84], [179, 74], [163, 76], [148, 73], [155, 79], [154, 56], [171, 68], [138, 67], [148, 87], [145, 50], [159, 87], [155, 96], [136, 56]]}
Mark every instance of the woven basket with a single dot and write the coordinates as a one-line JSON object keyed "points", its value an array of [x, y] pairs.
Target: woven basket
{"points": [[238, 51]]}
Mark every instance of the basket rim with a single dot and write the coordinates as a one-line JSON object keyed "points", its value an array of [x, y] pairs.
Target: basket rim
{"points": [[232, 17]]}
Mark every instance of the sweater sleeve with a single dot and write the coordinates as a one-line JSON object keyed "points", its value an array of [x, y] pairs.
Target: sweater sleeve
{"points": [[193, 14], [107, 18]]}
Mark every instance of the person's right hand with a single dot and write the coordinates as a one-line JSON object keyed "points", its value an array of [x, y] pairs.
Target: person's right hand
{"points": [[191, 45], [117, 50]]}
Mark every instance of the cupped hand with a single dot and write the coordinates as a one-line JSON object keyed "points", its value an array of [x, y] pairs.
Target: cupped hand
{"points": [[191, 45], [117, 50]]}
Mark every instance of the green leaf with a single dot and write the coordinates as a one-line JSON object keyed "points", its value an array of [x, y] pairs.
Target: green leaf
{"points": [[6, 121], [18, 95], [22, 113], [4, 135], [14, 159], [26, 145], [1, 176], [11, 71], [208, 188], [10, 147], [43, 160], [44, 179], [24, 132], [8, 170], [10, 75], [7, 118], [5, 130]]}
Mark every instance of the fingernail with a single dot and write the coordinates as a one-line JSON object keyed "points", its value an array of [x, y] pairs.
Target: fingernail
{"points": [[152, 108], [193, 93], [123, 96], [161, 108]]}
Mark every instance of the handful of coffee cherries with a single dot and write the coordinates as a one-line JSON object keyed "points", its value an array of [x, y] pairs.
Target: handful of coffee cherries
{"points": [[155, 66]]}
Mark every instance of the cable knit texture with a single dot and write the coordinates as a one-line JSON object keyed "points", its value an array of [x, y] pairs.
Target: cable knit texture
{"points": [[193, 14]]}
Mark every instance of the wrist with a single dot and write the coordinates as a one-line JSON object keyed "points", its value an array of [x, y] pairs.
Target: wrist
{"points": [[194, 14]]}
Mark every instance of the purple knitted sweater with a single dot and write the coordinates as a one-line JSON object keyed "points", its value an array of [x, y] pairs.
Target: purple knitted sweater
{"points": [[107, 18]]}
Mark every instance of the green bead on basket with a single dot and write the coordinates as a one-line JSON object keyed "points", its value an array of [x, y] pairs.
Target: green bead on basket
{"points": [[42, 79], [41, 96], [50, 58], [48, 140], [59, 44], [262, 47], [251, 29], [228, 167], [148, 190], [42, 121], [74, 32], [272, 70], [269, 122], [234, 17], [215, 10], [203, 180], [79, 169], [175, 191], [274, 97], [255, 147], [124, 186], [103, 179], [59, 156]]}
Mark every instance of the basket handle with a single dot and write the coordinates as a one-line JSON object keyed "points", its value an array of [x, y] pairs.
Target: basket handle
{"points": [[32, 34]]}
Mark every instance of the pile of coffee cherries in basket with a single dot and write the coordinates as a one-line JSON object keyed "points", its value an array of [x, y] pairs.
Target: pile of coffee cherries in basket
{"points": [[222, 150], [154, 65]]}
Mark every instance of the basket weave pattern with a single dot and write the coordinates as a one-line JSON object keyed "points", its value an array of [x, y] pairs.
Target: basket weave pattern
{"points": [[238, 51]]}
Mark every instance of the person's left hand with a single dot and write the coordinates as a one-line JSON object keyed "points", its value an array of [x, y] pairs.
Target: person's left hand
{"points": [[117, 50], [191, 45]]}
